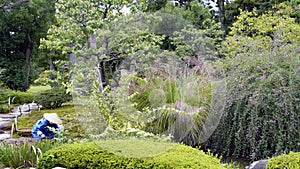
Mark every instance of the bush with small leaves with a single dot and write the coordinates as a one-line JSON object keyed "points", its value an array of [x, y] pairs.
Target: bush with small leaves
{"points": [[93, 155], [285, 161], [53, 98]]}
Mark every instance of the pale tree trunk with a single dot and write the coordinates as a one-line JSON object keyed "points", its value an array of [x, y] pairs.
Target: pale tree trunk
{"points": [[95, 59], [132, 65], [72, 56]]}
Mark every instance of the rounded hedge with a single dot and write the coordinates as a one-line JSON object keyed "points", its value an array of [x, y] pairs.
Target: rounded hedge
{"points": [[285, 161], [92, 155], [53, 98]]}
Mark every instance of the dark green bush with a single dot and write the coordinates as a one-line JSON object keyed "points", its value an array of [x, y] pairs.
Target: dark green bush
{"points": [[262, 111], [92, 155], [19, 97], [285, 161], [53, 98]]}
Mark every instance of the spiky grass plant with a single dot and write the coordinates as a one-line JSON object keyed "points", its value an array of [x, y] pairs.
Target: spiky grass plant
{"points": [[175, 106], [23, 156]]}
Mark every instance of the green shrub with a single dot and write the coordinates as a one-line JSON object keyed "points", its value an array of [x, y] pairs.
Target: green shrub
{"points": [[53, 98], [92, 155], [19, 97], [262, 112], [285, 161]]}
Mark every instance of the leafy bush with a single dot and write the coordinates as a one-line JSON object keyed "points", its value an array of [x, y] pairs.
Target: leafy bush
{"points": [[53, 98], [285, 161], [92, 155], [262, 111], [19, 97]]}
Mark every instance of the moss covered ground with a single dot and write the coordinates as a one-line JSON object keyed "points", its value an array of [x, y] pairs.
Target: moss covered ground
{"points": [[66, 113]]}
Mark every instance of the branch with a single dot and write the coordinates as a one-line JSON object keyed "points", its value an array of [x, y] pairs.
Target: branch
{"points": [[12, 5]]}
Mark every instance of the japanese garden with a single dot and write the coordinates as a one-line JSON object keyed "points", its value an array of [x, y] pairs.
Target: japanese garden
{"points": [[203, 84]]}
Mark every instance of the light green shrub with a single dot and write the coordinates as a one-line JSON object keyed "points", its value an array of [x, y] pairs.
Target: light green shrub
{"points": [[92, 155], [285, 161]]}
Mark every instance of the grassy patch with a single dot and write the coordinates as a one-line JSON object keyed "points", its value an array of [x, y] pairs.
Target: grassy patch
{"points": [[31, 119], [37, 89], [66, 113], [135, 148]]}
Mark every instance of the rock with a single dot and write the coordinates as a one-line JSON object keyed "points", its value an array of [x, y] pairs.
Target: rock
{"points": [[19, 141], [4, 136], [34, 106], [7, 116], [261, 164], [5, 124]]}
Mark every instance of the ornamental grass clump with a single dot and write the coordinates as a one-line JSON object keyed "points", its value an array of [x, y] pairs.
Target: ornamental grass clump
{"points": [[23, 156]]}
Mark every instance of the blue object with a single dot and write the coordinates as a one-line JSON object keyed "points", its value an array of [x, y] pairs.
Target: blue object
{"points": [[42, 125]]}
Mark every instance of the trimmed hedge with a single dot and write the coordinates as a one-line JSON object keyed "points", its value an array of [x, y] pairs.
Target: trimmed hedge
{"points": [[92, 155], [285, 161]]}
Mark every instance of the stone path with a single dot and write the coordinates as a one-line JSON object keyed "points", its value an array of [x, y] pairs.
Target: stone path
{"points": [[6, 119]]}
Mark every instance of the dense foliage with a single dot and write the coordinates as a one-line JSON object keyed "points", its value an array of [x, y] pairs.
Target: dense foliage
{"points": [[262, 114], [92, 155]]}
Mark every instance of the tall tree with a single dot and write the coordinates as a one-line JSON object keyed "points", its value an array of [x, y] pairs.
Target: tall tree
{"points": [[73, 36], [22, 23]]}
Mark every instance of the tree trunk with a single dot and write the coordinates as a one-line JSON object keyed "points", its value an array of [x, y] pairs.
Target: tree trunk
{"points": [[95, 59], [52, 67], [221, 16], [28, 62], [72, 57]]}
